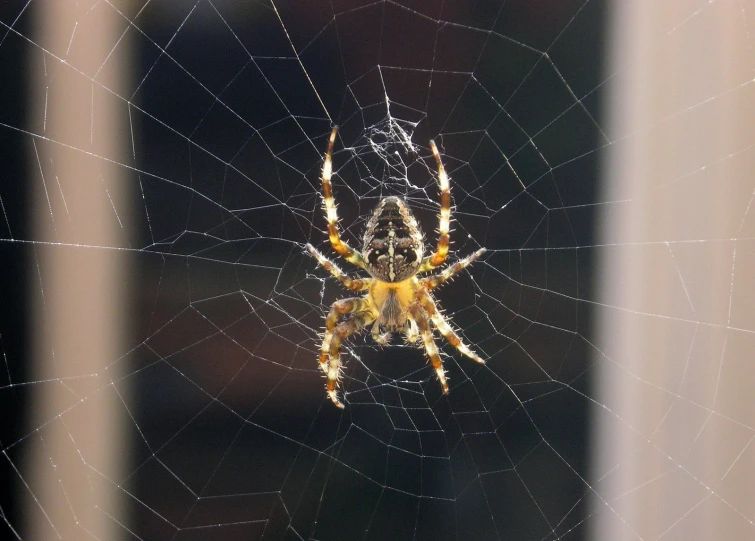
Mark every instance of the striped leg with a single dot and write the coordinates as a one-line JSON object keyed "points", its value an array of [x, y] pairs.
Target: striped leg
{"points": [[339, 246], [412, 333], [339, 308], [381, 339], [437, 279], [419, 316], [440, 254], [354, 323], [354, 284], [442, 325]]}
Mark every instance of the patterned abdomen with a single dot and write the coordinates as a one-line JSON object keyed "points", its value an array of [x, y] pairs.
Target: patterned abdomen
{"points": [[393, 243]]}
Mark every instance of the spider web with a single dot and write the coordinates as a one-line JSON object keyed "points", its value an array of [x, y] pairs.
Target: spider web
{"points": [[209, 152]]}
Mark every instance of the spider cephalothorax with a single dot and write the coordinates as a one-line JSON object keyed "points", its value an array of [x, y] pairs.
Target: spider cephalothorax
{"points": [[396, 300]]}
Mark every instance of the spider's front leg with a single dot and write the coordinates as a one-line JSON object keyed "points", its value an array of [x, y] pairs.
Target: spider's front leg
{"points": [[381, 339], [412, 333], [420, 317], [338, 309], [354, 323], [442, 325]]}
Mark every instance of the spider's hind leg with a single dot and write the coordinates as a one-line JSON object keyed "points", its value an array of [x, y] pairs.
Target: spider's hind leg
{"points": [[354, 284], [331, 215], [435, 280], [444, 225]]}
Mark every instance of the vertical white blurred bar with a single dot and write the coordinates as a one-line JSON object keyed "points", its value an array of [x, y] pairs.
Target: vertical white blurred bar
{"points": [[80, 281], [673, 454]]}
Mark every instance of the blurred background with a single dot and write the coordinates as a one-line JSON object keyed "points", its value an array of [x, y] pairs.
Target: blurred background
{"points": [[160, 316]]}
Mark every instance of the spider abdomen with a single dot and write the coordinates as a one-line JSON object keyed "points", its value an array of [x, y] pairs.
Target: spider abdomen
{"points": [[393, 242]]}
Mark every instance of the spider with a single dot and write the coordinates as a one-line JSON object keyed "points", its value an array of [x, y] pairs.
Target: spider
{"points": [[397, 299]]}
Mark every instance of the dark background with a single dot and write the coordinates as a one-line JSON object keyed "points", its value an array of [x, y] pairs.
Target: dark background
{"points": [[14, 261], [239, 416]]}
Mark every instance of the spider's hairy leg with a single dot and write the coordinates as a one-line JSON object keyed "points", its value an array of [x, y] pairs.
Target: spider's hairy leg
{"points": [[412, 333], [354, 284], [381, 339], [419, 316], [441, 252], [437, 279], [354, 323], [338, 309], [331, 215], [442, 325]]}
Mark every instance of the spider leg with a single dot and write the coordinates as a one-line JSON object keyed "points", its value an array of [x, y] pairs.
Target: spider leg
{"points": [[432, 261], [411, 333], [354, 323], [381, 339], [437, 279], [442, 325], [354, 284], [338, 309], [351, 255], [420, 317]]}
